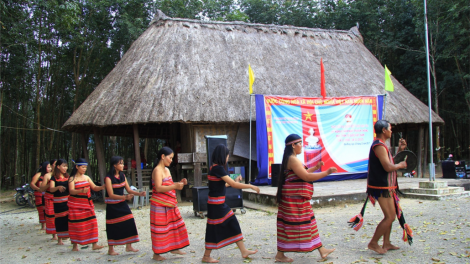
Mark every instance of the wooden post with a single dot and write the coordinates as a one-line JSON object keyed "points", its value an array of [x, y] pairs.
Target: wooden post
{"points": [[84, 141], [100, 155], [137, 155], [146, 147], [420, 147], [197, 175], [425, 154]]}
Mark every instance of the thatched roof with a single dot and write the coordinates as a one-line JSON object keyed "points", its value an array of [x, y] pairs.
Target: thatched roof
{"points": [[182, 70]]}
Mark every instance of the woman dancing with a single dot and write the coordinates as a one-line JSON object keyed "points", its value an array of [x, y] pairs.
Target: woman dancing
{"points": [[59, 187], [120, 224], [222, 227], [296, 225], [83, 227], [167, 227], [38, 194], [49, 203]]}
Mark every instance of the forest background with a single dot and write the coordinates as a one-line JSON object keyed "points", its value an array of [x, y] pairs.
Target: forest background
{"points": [[55, 52]]}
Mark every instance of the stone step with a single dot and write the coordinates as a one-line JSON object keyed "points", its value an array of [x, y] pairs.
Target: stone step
{"points": [[436, 197], [440, 191], [432, 184]]}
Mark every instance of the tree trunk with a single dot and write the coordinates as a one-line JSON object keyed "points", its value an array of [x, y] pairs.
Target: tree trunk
{"points": [[113, 145], [436, 107], [1, 102], [84, 141], [100, 155]]}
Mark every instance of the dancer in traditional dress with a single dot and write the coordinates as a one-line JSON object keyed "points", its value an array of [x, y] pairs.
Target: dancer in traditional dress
{"points": [[382, 186], [222, 227], [120, 224], [59, 187], [49, 202], [167, 227], [83, 227], [296, 225], [38, 194]]}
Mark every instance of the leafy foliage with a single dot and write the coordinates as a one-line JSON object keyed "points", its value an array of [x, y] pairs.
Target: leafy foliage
{"points": [[55, 52]]}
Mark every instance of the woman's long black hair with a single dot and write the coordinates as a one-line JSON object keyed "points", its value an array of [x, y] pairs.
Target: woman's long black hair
{"points": [[43, 168], [219, 156], [163, 151], [112, 171], [288, 151], [74, 169], [57, 171]]}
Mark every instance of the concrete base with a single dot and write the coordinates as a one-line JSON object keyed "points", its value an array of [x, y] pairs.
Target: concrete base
{"points": [[435, 196], [354, 191], [440, 191], [435, 190]]}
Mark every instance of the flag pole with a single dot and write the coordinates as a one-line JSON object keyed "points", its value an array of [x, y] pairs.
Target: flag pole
{"points": [[432, 176], [251, 80], [383, 108], [249, 166]]}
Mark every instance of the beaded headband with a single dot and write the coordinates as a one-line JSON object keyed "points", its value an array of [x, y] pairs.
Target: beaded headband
{"points": [[294, 141], [80, 163]]}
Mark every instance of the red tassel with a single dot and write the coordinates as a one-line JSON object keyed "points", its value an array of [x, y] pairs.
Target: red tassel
{"points": [[356, 222], [407, 234]]}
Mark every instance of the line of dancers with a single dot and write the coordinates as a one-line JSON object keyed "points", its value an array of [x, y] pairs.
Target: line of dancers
{"points": [[67, 211]]}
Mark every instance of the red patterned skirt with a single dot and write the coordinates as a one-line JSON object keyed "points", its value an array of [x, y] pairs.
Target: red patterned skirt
{"points": [[49, 213], [167, 228], [39, 199], [296, 225], [83, 226]]}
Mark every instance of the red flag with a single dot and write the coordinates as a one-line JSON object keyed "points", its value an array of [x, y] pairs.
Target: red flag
{"points": [[322, 85]]}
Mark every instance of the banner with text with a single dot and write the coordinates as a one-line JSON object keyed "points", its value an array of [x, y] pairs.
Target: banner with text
{"points": [[337, 130]]}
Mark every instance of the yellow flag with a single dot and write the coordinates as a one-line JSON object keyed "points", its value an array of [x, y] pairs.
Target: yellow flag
{"points": [[388, 80], [251, 76]]}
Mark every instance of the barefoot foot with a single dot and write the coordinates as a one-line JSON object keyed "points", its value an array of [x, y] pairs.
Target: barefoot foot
{"points": [[54, 237], [179, 252], [324, 252], [247, 253], [75, 247], [158, 257], [113, 253], [389, 247], [60, 242], [280, 257], [131, 249], [208, 259], [96, 247], [375, 247]]}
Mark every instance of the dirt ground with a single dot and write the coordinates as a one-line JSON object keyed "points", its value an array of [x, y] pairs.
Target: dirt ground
{"points": [[441, 235]]}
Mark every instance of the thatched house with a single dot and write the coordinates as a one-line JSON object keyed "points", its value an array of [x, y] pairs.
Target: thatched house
{"points": [[189, 78]]}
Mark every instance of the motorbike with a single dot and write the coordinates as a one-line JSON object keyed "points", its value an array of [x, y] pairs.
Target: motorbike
{"points": [[25, 195]]}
